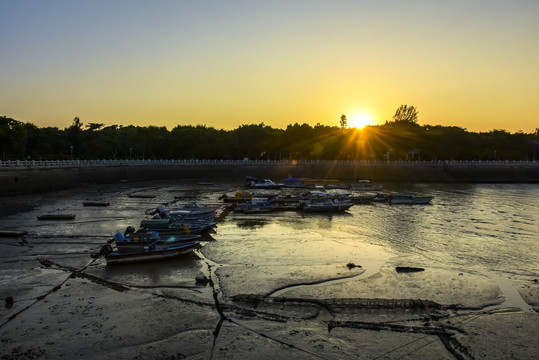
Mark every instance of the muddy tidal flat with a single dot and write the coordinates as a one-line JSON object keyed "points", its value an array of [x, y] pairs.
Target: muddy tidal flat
{"points": [[456, 279]]}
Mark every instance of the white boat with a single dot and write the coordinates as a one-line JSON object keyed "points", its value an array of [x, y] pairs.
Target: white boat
{"points": [[177, 226], [320, 192], [189, 212], [326, 205], [366, 185], [265, 184], [190, 219], [409, 199]]}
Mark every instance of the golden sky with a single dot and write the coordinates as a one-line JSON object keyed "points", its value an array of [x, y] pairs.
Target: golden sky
{"points": [[472, 64]]}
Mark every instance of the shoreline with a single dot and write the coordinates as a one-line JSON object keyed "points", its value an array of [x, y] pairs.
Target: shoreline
{"points": [[17, 181]]}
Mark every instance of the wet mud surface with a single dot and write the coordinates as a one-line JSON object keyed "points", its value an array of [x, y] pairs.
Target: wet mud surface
{"points": [[259, 301]]}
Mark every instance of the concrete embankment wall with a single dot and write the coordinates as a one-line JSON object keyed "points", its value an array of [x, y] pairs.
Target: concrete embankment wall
{"points": [[35, 180]]}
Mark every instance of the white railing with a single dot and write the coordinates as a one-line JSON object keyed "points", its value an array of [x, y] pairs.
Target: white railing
{"points": [[169, 162]]}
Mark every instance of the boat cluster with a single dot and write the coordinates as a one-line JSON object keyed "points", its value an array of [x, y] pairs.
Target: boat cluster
{"points": [[319, 195], [163, 233], [175, 231]]}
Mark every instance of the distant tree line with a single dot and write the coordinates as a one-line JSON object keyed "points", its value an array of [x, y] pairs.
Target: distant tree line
{"points": [[402, 138]]}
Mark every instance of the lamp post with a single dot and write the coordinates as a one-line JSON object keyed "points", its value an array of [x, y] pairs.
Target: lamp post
{"points": [[130, 153], [71, 149]]}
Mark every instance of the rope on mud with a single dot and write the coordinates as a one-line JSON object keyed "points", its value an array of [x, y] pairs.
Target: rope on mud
{"points": [[48, 263], [292, 346]]}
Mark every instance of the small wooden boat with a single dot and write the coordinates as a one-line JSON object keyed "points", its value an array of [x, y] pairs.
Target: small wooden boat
{"points": [[96, 203], [149, 253], [320, 181], [189, 211], [381, 198], [320, 192], [295, 182], [254, 183], [326, 205], [366, 185], [133, 241], [240, 196], [361, 199], [141, 196], [255, 205], [56, 217], [409, 199], [12, 233], [177, 226]]}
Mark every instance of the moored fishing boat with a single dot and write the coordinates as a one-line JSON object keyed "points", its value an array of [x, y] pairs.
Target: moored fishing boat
{"points": [[177, 226], [362, 199], [255, 205], [191, 211], [381, 198], [297, 182], [56, 217], [255, 183], [366, 185], [326, 205], [132, 241], [409, 199], [239, 196], [320, 192], [95, 203], [148, 253], [12, 233]]}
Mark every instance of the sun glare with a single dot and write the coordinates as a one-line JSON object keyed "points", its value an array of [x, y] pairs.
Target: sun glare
{"points": [[359, 121]]}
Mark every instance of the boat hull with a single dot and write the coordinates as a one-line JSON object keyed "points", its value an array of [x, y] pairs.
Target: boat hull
{"points": [[135, 244], [57, 217], [327, 208], [167, 227], [410, 199], [151, 255]]}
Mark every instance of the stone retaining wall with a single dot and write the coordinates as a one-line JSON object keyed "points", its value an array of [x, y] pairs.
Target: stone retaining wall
{"points": [[33, 180]]}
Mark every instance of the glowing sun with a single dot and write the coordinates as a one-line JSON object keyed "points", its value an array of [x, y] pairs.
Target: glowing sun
{"points": [[359, 121]]}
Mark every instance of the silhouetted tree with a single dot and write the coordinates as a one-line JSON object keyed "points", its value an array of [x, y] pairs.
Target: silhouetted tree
{"points": [[94, 126], [406, 113], [344, 122], [75, 134], [13, 138], [402, 136]]}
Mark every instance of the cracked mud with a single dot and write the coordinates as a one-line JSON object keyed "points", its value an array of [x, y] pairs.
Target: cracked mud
{"points": [[66, 304]]}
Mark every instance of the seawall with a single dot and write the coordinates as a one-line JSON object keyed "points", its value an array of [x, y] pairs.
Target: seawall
{"points": [[28, 179]]}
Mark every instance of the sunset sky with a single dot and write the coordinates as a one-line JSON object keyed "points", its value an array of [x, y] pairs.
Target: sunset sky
{"points": [[470, 63]]}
